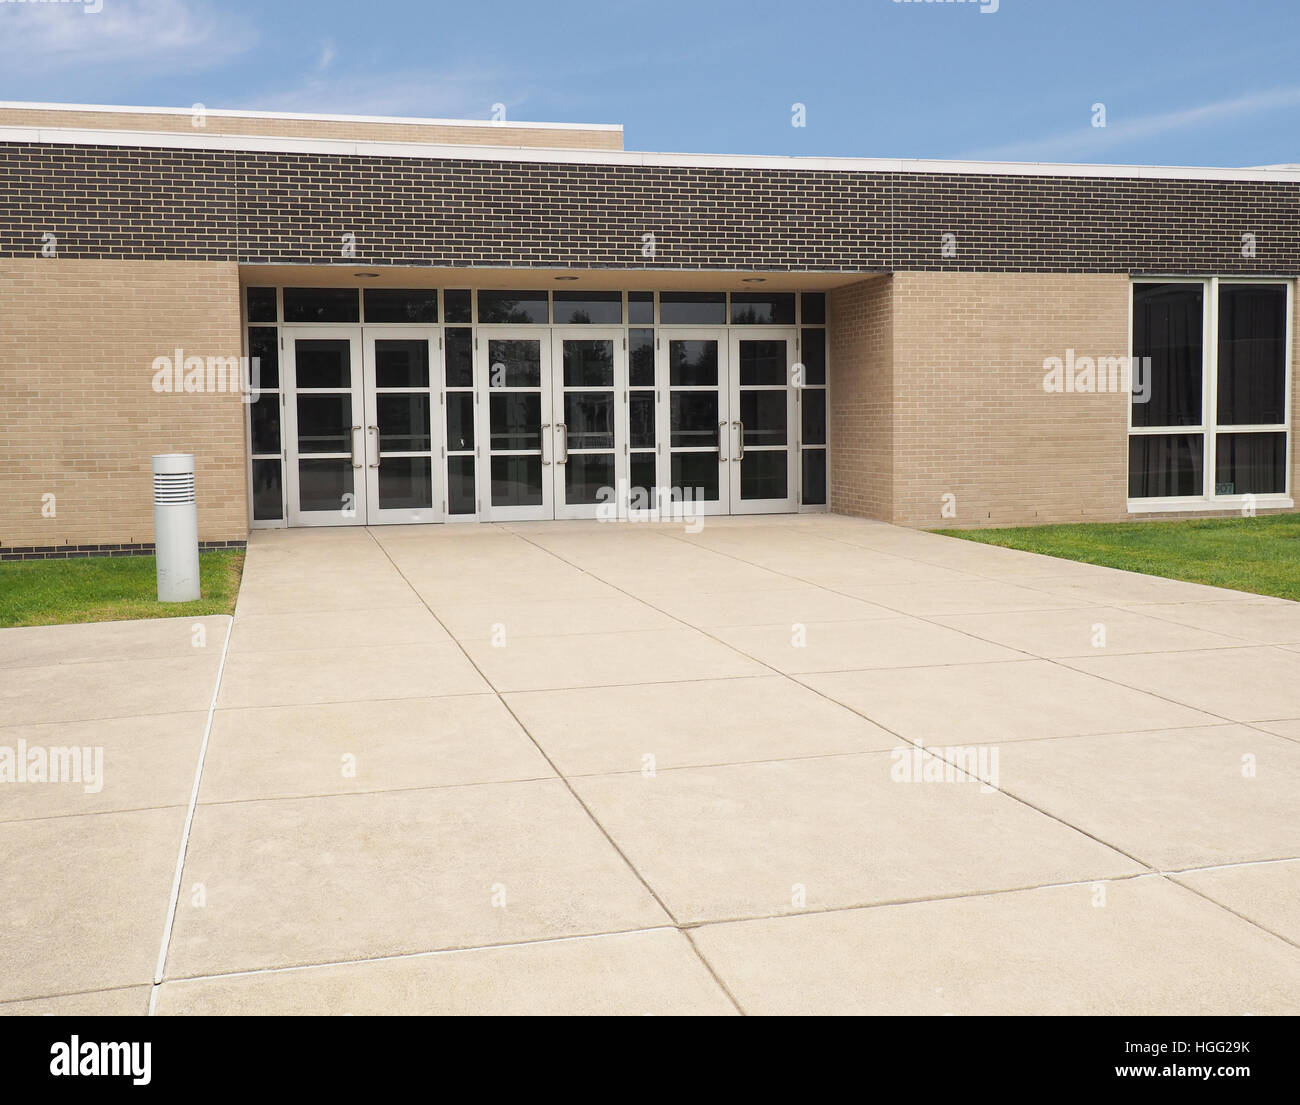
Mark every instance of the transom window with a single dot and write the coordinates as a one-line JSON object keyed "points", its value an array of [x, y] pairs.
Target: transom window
{"points": [[1210, 416]]}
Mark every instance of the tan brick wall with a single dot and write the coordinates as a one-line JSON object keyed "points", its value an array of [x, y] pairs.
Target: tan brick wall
{"points": [[78, 414], [496, 134], [861, 354]]}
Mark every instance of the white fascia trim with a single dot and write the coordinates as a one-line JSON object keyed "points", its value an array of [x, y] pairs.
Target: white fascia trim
{"points": [[302, 116], [348, 148]]}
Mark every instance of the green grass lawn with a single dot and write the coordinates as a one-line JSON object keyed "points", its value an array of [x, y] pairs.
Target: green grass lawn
{"points": [[1260, 555], [107, 589]]}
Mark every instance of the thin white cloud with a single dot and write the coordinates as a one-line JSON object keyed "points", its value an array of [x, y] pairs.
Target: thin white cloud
{"points": [[54, 38], [1086, 141], [327, 54]]}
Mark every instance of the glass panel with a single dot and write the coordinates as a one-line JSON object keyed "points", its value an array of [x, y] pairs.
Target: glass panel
{"points": [[321, 305], [1161, 465], [693, 363], [588, 364], [762, 362], [693, 308], [403, 423], [764, 416], [812, 352], [322, 484], [814, 307], [323, 363], [763, 475], [641, 358], [696, 474], [325, 424], [520, 307], [641, 419], [583, 307], [813, 404], [264, 418], [1167, 327], [586, 476], [517, 481], [1252, 354], [261, 307], [401, 304], [514, 364], [753, 308], [460, 421], [405, 483], [460, 485], [693, 418], [814, 477], [641, 308], [460, 358], [401, 364], [642, 489], [266, 490], [457, 305], [264, 344], [1250, 464], [516, 419], [589, 419]]}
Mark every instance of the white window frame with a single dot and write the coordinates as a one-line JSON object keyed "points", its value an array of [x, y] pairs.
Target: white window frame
{"points": [[1209, 429]]}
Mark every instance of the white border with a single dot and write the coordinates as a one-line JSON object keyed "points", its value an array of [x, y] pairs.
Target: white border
{"points": [[417, 150]]}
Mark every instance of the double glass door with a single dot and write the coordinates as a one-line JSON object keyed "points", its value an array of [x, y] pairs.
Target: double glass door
{"points": [[361, 412]]}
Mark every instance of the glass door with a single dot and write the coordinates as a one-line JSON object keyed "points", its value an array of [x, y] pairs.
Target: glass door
{"points": [[323, 407], [693, 365], [403, 454], [590, 433], [513, 370], [764, 437]]}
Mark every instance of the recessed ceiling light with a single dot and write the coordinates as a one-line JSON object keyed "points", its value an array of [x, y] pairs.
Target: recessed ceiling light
{"points": [[566, 278], [366, 275], [754, 280]]}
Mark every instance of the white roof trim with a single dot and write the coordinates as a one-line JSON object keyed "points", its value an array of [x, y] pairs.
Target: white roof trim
{"points": [[348, 148], [230, 113]]}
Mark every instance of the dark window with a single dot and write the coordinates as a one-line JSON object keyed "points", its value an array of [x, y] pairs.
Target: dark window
{"points": [[460, 421], [266, 490], [812, 353], [641, 308], [405, 483], [321, 305], [1167, 328], [1164, 465], [401, 364], [323, 363], [457, 306], [693, 308], [641, 358], [516, 307], [814, 309], [1250, 464], [755, 308], [813, 404], [264, 344], [573, 308], [1252, 354], [460, 485], [261, 305], [693, 363], [814, 477], [401, 305], [460, 358], [265, 424]]}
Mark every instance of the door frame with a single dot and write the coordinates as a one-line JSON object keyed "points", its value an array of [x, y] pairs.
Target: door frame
{"points": [[483, 391], [617, 337], [294, 516], [789, 504], [664, 336]]}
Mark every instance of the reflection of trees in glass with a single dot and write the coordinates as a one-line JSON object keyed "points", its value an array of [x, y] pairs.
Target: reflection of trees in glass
{"points": [[512, 307]]}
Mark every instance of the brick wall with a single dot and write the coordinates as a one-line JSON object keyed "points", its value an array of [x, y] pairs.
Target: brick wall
{"points": [[861, 337], [79, 418]]}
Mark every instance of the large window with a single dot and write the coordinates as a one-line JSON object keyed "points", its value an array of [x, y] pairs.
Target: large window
{"points": [[1210, 418]]}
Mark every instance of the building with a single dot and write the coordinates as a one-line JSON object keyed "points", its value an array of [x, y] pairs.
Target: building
{"points": [[457, 321]]}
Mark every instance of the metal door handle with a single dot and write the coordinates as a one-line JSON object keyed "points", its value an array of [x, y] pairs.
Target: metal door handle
{"points": [[563, 430], [741, 455], [545, 426], [354, 447], [378, 459], [722, 437]]}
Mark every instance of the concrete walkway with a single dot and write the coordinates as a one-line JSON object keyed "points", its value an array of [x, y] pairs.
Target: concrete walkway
{"points": [[582, 768]]}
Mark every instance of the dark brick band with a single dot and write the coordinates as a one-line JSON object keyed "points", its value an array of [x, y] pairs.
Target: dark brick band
{"points": [[72, 552]]}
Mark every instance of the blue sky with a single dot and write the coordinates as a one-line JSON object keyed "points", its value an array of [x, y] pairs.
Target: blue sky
{"points": [[1199, 82]]}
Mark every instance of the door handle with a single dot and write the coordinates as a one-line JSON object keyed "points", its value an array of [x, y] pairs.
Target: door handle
{"points": [[741, 427], [355, 463], [545, 426], [563, 430], [722, 437], [378, 459]]}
